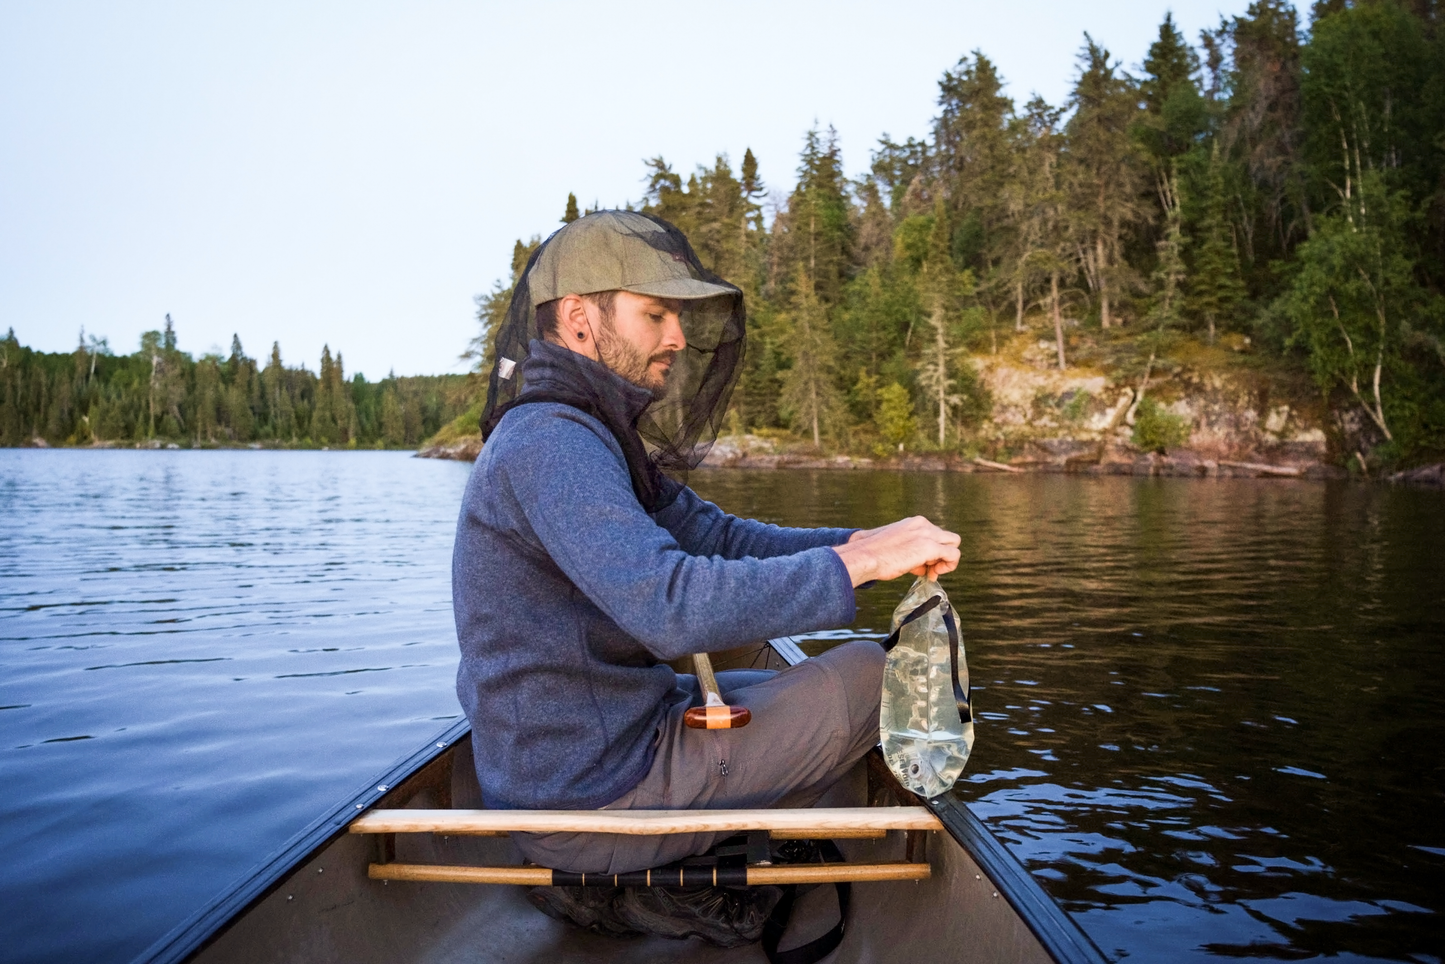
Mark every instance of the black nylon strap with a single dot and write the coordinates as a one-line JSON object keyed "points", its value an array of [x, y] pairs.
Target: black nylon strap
{"points": [[927, 607], [962, 698], [965, 703], [777, 922]]}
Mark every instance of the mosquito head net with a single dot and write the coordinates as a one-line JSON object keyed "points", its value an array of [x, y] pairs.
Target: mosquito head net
{"points": [[664, 432]]}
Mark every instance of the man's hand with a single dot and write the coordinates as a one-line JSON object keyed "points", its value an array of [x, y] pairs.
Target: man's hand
{"points": [[913, 545]]}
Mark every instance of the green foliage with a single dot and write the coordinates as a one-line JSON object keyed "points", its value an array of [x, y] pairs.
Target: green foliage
{"points": [[161, 393], [810, 399], [1356, 308], [895, 419], [1175, 112], [1075, 405], [1216, 292], [1103, 176], [1157, 430], [1264, 183], [1169, 274], [910, 241]]}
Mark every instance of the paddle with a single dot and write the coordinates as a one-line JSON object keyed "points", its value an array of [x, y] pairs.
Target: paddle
{"points": [[714, 714]]}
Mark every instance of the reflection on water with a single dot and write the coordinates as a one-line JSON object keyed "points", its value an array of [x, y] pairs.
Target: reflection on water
{"points": [[201, 652], [1209, 712]]}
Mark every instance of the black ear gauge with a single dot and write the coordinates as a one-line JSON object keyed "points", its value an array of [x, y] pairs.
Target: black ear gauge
{"points": [[581, 336]]}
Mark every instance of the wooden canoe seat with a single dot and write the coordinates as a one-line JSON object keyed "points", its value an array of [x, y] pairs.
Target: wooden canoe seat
{"points": [[815, 823]]}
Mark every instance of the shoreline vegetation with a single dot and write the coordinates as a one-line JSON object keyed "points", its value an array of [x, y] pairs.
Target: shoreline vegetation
{"points": [[1227, 259], [163, 398], [1231, 252]]}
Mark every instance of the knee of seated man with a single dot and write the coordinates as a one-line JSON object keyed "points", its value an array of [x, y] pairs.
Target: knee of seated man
{"points": [[860, 664], [859, 660]]}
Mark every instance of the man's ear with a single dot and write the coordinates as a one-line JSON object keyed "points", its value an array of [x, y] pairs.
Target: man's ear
{"points": [[574, 326]]}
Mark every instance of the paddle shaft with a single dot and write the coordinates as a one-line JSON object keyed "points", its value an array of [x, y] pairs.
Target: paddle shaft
{"points": [[714, 714]]}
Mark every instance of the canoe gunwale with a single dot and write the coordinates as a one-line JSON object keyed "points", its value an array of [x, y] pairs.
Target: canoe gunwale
{"points": [[1065, 941]]}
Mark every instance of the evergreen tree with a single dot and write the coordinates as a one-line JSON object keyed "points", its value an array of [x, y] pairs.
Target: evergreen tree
{"points": [[346, 423], [240, 393], [972, 148], [1175, 113], [570, 215], [393, 431], [895, 419], [1103, 176], [810, 398], [206, 415], [896, 168], [492, 311], [1034, 201], [280, 406], [817, 230], [323, 412], [1216, 292], [943, 287], [1169, 269], [753, 193], [664, 195], [1261, 129]]}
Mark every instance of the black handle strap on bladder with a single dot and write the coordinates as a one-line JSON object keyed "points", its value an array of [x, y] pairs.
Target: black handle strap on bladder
{"points": [[777, 922], [960, 696]]}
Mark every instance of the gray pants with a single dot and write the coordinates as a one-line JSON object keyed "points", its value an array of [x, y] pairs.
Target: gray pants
{"points": [[811, 722]]}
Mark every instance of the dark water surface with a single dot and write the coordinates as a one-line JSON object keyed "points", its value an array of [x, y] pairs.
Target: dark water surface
{"points": [[1211, 716], [200, 653], [1211, 719]]}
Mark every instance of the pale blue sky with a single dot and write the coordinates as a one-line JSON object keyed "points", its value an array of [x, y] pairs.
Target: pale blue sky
{"points": [[355, 172]]}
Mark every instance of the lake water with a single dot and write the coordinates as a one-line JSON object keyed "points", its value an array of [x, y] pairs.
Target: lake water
{"points": [[1210, 712]]}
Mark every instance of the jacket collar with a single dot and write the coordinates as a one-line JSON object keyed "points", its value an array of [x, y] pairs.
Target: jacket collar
{"points": [[555, 369]]}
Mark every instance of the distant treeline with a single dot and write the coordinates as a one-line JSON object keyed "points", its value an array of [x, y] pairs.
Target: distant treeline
{"points": [[1280, 184], [163, 394]]}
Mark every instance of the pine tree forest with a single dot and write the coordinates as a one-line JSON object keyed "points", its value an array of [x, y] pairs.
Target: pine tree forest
{"points": [[1268, 203], [161, 396], [1263, 208]]}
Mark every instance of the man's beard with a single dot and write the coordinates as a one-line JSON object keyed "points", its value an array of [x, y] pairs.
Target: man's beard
{"points": [[623, 358]]}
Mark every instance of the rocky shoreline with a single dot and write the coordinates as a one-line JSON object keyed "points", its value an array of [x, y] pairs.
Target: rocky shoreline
{"points": [[1237, 416], [1079, 458]]}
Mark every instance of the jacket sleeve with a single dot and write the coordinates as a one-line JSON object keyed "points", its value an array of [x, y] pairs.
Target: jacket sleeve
{"points": [[574, 492], [703, 529]]}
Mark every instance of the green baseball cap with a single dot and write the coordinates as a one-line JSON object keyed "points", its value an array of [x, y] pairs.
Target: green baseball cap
{"points": [[614, 251]]}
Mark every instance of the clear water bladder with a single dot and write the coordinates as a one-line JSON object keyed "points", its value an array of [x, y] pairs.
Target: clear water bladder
{"points": [[926, 724]]}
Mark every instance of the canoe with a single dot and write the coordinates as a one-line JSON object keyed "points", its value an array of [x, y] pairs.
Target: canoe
{"points": [[336, 895]]}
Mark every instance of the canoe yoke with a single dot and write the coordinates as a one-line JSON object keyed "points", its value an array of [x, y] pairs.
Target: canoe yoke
{"points": [[744, 861]]}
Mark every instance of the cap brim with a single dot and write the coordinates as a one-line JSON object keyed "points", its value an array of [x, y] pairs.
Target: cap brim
{"points": [[685, 288]]}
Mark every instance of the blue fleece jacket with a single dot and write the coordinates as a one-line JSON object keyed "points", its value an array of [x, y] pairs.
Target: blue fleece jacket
{"points": [[568, 596]]}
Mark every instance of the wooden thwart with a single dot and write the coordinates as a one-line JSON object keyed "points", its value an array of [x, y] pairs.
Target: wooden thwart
{"points": [[782, 824], [751, 876]]}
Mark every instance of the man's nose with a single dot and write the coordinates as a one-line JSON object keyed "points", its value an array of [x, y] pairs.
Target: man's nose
{"points": [[672, 337]]}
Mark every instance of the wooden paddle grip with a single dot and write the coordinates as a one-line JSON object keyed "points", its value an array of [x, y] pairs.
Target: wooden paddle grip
{"points": [[717, 717]]}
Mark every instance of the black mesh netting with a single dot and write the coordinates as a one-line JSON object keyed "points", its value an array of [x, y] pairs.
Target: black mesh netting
{"points": [[674, 432]]}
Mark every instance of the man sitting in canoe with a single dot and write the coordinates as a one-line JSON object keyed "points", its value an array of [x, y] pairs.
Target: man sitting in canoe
{"points": [[582, 563]]}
